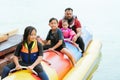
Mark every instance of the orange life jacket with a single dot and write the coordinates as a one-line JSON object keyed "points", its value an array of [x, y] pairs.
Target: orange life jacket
{"points": [[29, 56]]}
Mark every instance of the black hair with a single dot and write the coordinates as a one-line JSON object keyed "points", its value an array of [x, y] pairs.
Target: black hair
{"points": [[64, 20], [53, 19], [27, 32], [68, 9]]}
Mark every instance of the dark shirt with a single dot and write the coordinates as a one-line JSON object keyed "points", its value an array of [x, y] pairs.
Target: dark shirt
{"points": [[54, 37]]}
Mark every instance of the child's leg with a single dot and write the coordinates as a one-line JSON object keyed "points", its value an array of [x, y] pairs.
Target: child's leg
{"points": [[66, 52], [43, 75], [7, 69], [41, 72]]}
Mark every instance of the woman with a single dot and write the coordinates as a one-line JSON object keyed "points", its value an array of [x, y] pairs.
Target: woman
{"points": [[30, 51]]}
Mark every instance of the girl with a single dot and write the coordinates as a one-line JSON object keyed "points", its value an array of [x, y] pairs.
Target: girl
{"points": [[67, 33], [30, 51], [56, 40]]}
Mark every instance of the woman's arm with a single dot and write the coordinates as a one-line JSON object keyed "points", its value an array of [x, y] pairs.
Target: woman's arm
{"points": [[16, 61], [16, 56], [38, 61]]}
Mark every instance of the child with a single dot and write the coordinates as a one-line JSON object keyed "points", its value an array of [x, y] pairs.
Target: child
{"points": [[30, 51], [56, 39], [67, 32]]}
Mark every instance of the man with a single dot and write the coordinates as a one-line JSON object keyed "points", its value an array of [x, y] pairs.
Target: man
{"points": [[75, 25]]}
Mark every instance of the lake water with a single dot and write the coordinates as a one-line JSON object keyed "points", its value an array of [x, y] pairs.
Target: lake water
{"points": [[102, 17]]}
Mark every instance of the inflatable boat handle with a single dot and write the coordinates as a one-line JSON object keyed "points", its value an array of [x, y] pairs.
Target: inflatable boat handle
{"points": [[66, 40], [46, 61], [23, 68]]}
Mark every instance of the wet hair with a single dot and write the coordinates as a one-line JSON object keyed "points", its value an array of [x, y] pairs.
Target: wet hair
{"points": [[68, 9], [51, 19], [28, 30]]}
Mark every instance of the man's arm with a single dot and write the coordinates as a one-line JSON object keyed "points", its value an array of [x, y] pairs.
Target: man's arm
{"points": [[78, 27], [78, 30]]}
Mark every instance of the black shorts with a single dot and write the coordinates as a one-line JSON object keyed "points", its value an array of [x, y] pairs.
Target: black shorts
{"points": [[57, 49], [60, 48]]}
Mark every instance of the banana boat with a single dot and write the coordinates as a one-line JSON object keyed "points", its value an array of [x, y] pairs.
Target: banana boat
{"points": [[58, 66]]}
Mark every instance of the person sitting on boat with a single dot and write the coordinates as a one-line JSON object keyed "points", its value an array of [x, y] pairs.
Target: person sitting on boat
{"points": [[67, 32], [75, 25], [30, 52], [56, 40]]}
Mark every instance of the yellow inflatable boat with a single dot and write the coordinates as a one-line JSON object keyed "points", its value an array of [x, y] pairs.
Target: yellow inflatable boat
{"points": [[59, 67]]}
